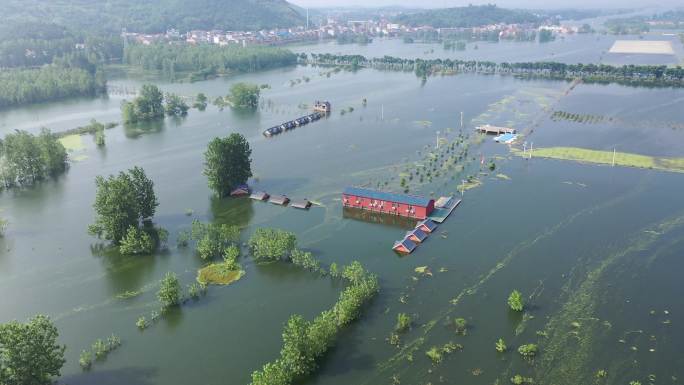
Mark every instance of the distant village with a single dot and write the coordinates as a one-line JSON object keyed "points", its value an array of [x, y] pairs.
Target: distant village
{"points": [[335, 29]]}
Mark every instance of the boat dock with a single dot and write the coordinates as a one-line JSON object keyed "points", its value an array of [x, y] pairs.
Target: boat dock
{"points": [[489, 129], [443, 208], [292, 124]]}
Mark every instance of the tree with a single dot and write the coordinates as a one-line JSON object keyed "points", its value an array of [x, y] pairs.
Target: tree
{"points": [[175, 105], [515, 301], [25, 158], [147, 106], [227, 163], [501, 345], [244, 95], [29, 353], [136, 241], [169, 293], [200, 102], [121, 202], [271, 244]]}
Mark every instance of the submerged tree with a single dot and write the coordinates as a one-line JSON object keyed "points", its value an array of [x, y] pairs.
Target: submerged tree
{"points": [[227, 163], [169, 293], [515, 301], [147, 106], [29, 353], [122, 202], [244, 95]]}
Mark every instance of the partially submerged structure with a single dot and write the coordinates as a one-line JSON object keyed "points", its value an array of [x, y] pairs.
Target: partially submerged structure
{"points": [[489, 129], [405, 246], [416, 235], [389, 203], [280, 200], [259, 196], [240, 190], [324, 107], [303, 204]]}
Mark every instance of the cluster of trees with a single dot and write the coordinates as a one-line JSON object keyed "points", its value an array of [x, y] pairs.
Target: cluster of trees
{"points": [[152, 104], [244, 95], [227, 163], [29, 352], [214, 240], [304, 342], [26, 158], [124, 207], [637, 75], [470, 16], [50, 82], [204, 61], [272, 245]]}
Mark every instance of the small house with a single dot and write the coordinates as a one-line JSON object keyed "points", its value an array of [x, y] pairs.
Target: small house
{"points": [[405, 246], [427, 225], [416, 235], [240, 190], [280, 200], [303, 204], [259, 196]]}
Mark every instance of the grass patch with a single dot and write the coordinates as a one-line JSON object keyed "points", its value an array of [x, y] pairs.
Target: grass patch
{"points": [[218, 274], [72, 142], [606, 157]]}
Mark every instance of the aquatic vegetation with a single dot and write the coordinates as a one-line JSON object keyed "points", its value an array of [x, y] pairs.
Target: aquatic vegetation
{"points": [[528, 351], [72, 143], [520, 380], [85, 359], [503, 176], [183, 239], [568, 355], [501, 345], [196, 290], [606, 157], [136, 241], [271, 244], [461, 326], [435, 354], [3, 227], [219, 274], [516, 301], [403, 323], [141, 323], [169, 293], [128, 294]]}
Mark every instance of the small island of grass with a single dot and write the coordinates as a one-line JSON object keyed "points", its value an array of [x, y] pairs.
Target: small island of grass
{"points": [[218, 274]]}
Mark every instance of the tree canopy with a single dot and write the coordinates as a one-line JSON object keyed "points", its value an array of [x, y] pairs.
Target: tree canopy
{"points": [[26, 158], [146, 106], [121, 202], [227, 163], [29, 353], [244, 95]]}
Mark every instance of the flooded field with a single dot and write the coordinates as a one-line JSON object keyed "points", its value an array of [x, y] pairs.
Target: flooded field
{"points": [[594, 249]]}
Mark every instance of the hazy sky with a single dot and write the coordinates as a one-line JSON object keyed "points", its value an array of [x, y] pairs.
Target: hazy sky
{"points": [[501, 3]]}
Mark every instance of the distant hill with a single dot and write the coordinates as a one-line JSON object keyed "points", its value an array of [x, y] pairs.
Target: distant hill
{"points": [[151, 16], [470, 16]]}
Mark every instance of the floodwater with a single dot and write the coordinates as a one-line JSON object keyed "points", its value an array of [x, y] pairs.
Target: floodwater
{"points": [[595, 250]]}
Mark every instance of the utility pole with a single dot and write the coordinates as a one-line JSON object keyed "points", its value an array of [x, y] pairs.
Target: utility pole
{"points": [[524, 149], [438, 140], [461, 120], [531, 148], [613, 156]]}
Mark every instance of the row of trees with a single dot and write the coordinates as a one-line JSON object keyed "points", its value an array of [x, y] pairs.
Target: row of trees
{"points": [[205, 60], [26, 158], [51, 82], [305, 342], [470, 16], [656, 75]]}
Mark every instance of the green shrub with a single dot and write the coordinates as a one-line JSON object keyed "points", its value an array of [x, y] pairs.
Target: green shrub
{"points": [[305, 260], [403, 323], [515, 301], [435, 354], [501, 345], [85, 360], [461, 325], [135, 242], [528, 350], [169, 293], [141, 323]]}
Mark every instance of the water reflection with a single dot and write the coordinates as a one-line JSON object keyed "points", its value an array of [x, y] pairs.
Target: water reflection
{"points": [[136, 130], [232, 211], [128, 376], [379, 218]]}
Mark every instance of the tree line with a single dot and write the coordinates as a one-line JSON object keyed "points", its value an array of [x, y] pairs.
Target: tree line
{"points": [[637, 75], [205, 60], [470, 16]]}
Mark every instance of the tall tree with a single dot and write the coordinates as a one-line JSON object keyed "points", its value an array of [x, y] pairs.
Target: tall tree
{"points": [[227, 163], [29, 353], [122, 201]]}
